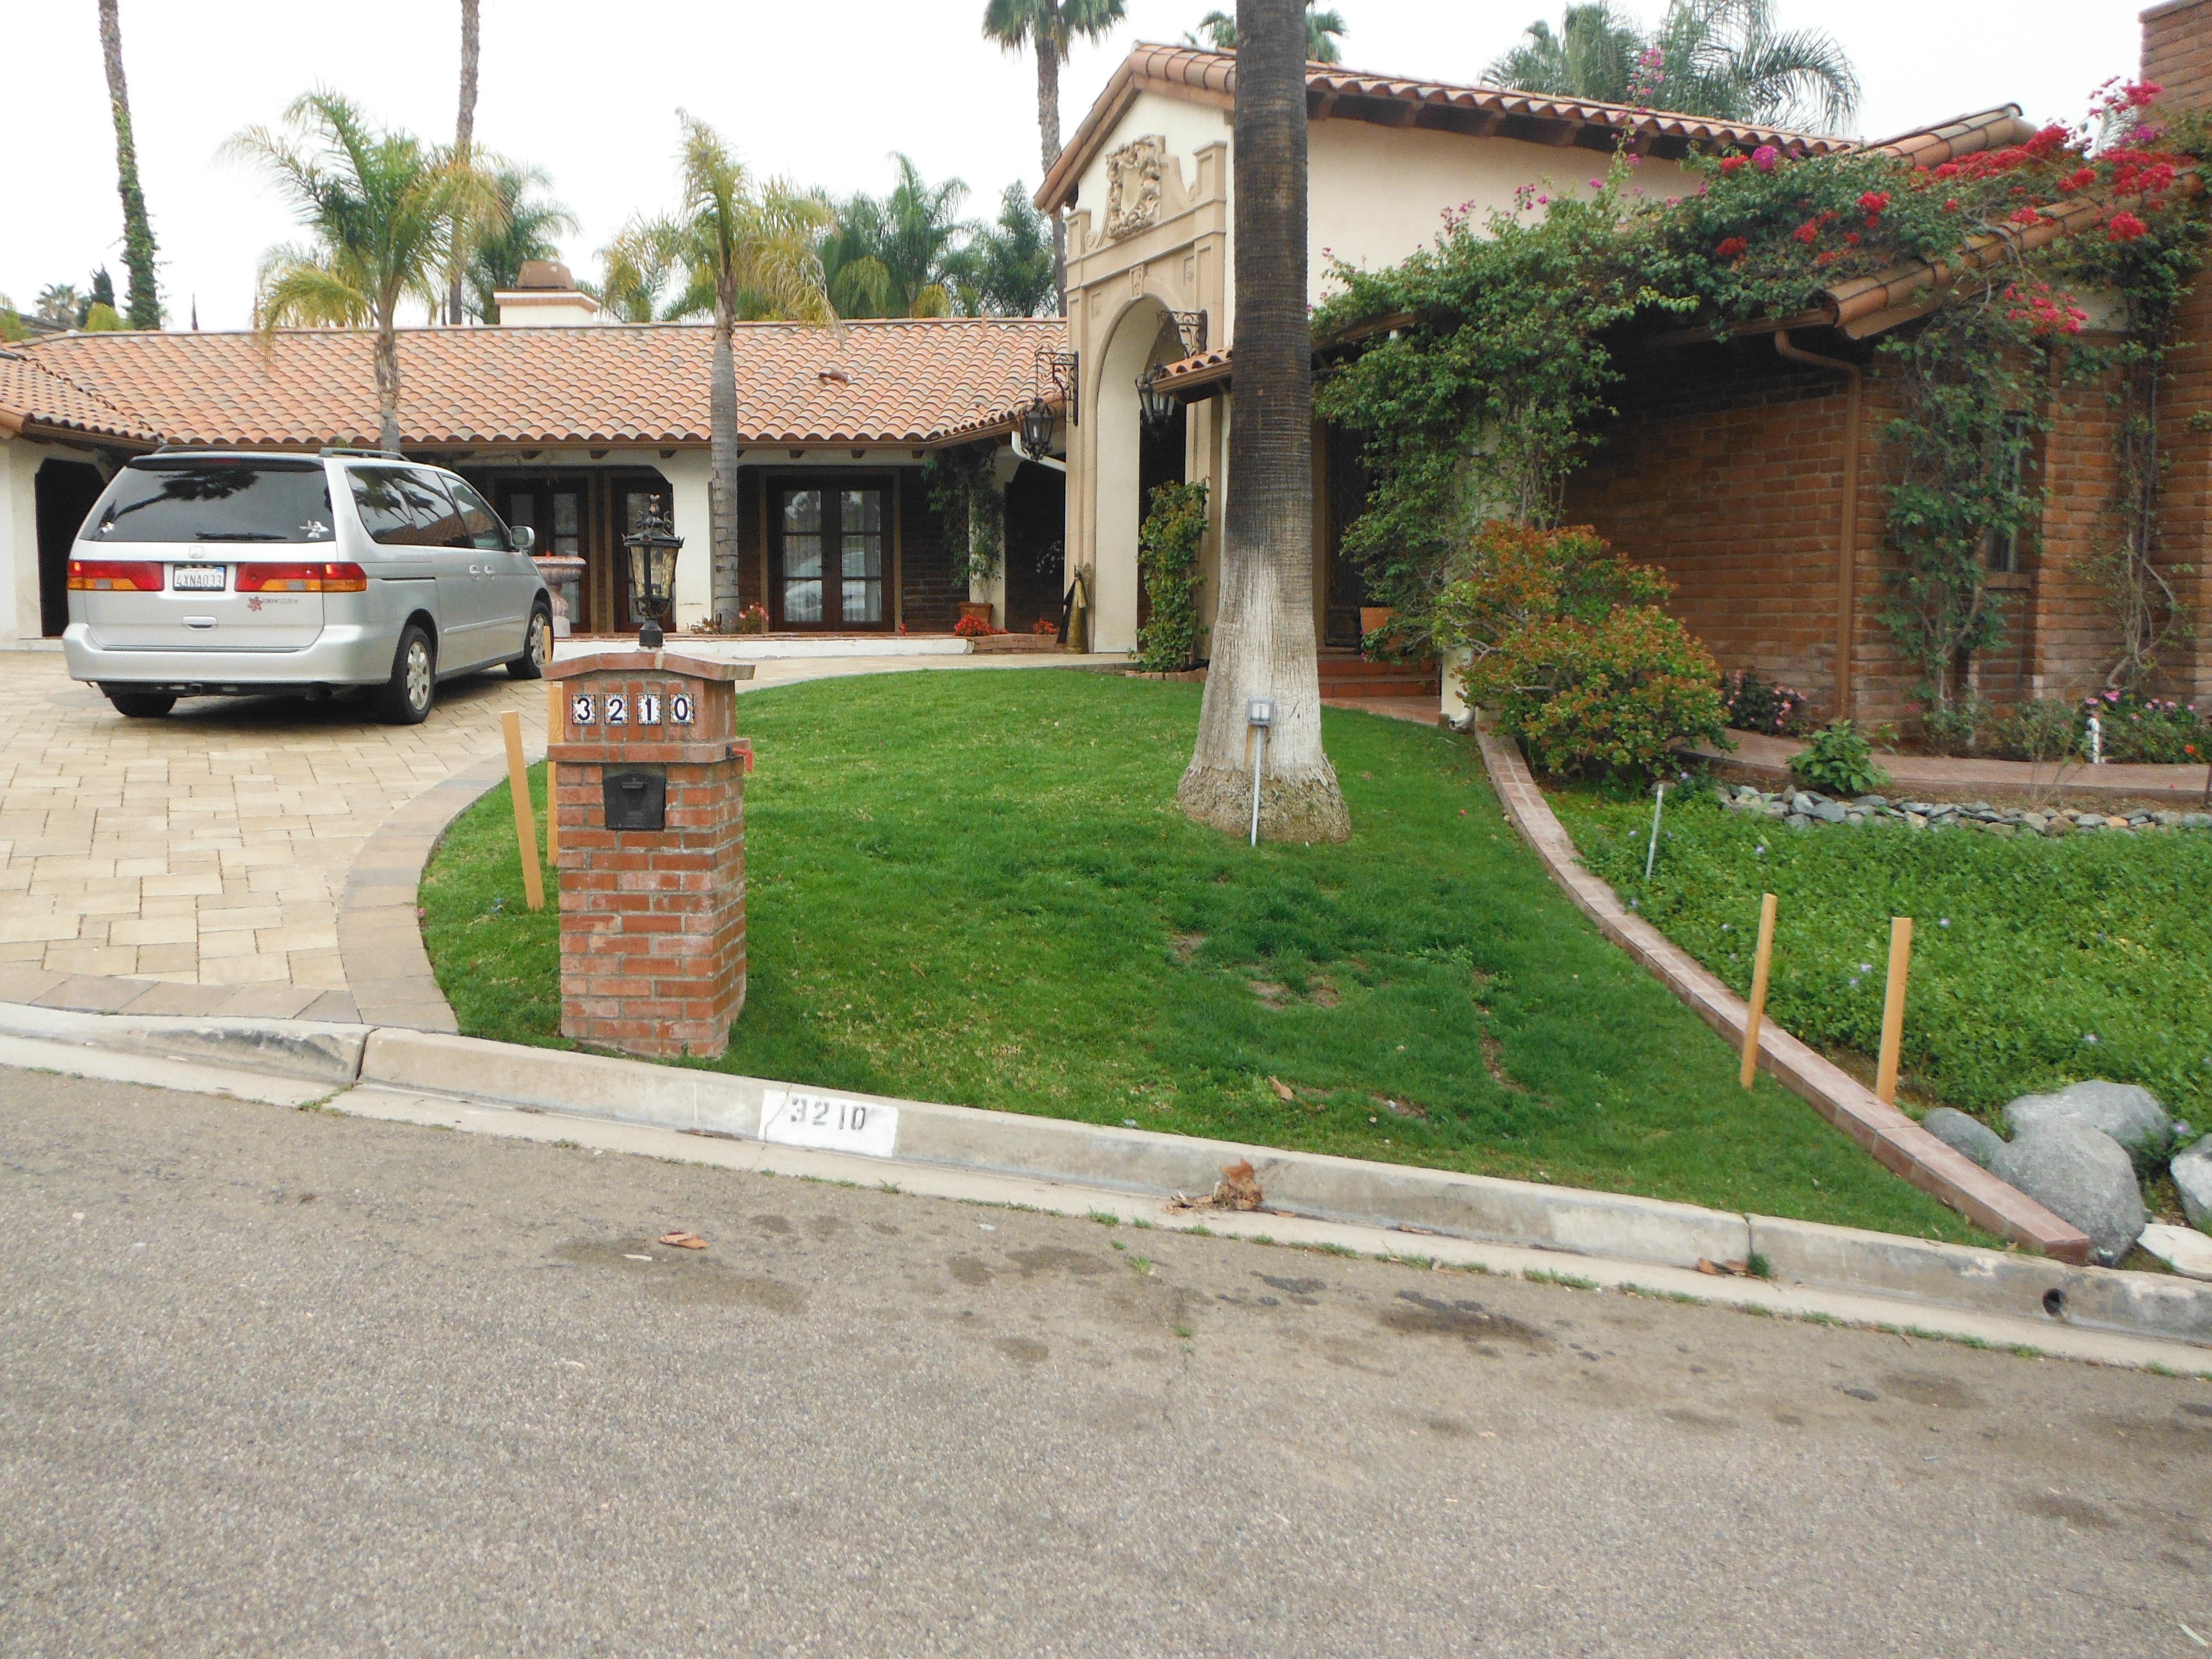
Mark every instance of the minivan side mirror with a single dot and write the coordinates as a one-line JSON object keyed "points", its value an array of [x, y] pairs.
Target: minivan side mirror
{"points": [[525, 538]]}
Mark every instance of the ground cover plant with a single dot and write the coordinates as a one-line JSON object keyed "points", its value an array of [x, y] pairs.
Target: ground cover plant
{"points": [[977, 888], [2035, 962]]}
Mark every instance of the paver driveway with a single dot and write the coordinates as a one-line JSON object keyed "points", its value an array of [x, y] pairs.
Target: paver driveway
{"points": [[214, 848]]}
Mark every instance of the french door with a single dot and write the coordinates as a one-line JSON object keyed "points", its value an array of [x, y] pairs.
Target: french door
{"points": [[831, 555]]}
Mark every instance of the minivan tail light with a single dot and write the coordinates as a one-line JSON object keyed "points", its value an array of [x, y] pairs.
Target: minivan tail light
{"points": [[301, 578], [109, 576]]}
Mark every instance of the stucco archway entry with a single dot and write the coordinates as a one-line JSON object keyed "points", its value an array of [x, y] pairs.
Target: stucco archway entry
{"points": [[1143, 336]]}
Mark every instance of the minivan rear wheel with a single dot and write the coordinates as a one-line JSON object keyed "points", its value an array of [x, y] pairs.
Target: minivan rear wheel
{"points": [[141, 705], [413, 688], [537, 646]]}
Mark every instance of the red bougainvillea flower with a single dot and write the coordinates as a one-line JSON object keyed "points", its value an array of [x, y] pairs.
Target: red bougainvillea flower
{"points": [[1852, 237], [1764, 157], [2126, 227], [2081, 179], [1732, 164], [1951, 205], [1949, 170], [1731, 247], [1828, 259], [1807, 232], [2026, 216], [1875, 201]]}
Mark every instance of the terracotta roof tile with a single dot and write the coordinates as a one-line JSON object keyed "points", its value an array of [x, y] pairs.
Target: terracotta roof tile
{"points": [[879, 382], [1331, 90], [31, 395]]}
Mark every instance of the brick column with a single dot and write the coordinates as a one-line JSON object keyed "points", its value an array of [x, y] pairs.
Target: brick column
{"points": [[653, 920]]}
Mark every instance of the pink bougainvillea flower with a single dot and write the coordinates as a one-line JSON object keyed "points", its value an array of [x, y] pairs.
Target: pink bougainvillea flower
{"points": [[1765, 158]]}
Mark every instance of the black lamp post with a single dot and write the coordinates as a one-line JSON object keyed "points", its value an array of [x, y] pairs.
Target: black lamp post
{"points": [[1158, 404], [653, 547], [1036, 429]]}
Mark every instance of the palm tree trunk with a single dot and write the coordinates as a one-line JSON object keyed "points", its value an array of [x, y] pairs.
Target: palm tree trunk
{"points": [[1263, 631], [145, 306], [722, 458], [465, 136], [1047, 56], [387, 379]]}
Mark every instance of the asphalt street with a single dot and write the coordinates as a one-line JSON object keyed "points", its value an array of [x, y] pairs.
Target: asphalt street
{"points": [[286, 1382]]}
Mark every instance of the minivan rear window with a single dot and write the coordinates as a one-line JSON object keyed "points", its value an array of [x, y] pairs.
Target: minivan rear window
{"points": [[213, 500]]}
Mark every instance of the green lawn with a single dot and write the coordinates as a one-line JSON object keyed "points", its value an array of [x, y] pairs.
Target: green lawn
{"points": [[977, 888], [2034, 962]]}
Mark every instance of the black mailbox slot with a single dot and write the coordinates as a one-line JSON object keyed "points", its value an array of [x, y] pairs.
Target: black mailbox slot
{"points": [[637, 798]]}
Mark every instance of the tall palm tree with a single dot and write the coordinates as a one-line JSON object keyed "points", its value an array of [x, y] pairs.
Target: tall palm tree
{"points": [[145, 308], [744, 251], [1263, 630], [1726, 59], [898, 255], [1217, 29], [1006, 269], [1049, 28], [528, 223], [464, 132], [381, 211]]}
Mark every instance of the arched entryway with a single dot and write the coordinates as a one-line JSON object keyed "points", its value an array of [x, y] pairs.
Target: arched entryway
{"points": [[1128, 463], [1036, 529]]}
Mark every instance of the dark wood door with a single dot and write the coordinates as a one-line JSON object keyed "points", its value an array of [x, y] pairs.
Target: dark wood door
{"points": [[829, 554]]}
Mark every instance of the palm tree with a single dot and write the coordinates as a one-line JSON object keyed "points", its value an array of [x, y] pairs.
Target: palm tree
{"points": [[744, 252], [1263, 631], [382, 212], [528, 223], [1725, 59], [145, 309], [1049, 28], [464, 132], [1006, 269], [898, 256], [1217, 29]]}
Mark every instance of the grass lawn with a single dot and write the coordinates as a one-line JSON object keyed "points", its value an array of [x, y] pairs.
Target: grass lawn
{"points": [[2034, 962], [977, 888]]}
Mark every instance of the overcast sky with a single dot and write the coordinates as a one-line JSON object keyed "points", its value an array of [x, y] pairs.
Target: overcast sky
{"points": [[819, 93]]}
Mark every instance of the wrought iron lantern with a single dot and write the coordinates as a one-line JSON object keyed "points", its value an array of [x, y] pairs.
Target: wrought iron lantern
{"points": [[1037, 423], [1157, 402], [653, 547]]}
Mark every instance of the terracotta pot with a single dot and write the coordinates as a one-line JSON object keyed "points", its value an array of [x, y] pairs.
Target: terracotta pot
{"points": [[1374, 617], [979, 610]]}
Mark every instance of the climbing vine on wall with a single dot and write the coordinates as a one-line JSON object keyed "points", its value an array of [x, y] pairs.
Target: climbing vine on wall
{"points": [[1167, 557], [969, 501], [1483, 363]]}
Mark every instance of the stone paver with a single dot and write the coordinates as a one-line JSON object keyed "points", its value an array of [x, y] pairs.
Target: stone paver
{"points": [[262, 851]]}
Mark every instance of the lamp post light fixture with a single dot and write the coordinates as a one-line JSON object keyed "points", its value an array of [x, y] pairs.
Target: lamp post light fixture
{"points": [[653, 547], [1158, 404], [1037, 423]]}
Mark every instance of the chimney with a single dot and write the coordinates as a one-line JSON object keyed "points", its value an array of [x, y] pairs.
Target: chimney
{"points": [[544, 295], [2177, 52]]}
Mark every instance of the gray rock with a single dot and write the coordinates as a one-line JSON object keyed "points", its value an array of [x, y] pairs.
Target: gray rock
{"points": [[1871, 803], [1830, 811], [2197, 820], [1965, 1134], [2130, 1114], [2082, 1176], [2192, 1179]]}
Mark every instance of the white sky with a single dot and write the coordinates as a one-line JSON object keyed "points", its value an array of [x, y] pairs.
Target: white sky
{"points": [[820, 93]]}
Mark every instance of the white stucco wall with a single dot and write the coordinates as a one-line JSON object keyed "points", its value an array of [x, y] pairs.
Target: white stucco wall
{"points": [[1187, 128], [687, 474], [19, 538]]}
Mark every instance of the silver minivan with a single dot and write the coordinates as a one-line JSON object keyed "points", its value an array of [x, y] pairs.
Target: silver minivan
{"points": [[220, 573]]}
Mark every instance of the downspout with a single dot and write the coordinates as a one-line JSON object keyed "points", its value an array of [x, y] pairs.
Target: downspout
{"points": [[1847, 559]]}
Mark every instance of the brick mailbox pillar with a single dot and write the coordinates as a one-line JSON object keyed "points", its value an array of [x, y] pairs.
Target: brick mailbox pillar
{"points": [[651, 797]]}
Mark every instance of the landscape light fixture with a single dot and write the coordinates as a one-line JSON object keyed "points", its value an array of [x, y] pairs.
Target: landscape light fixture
{"points": [[1158, 404], [653, 547], [1259, 716], [1037, 423]]}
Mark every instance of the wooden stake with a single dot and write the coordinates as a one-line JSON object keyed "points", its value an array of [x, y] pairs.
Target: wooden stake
{"points": [[1893, 1008], [555, 731], [1758, 966], [525, 825]]}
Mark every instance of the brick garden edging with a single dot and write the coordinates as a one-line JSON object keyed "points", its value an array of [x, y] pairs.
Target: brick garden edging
{"points": [[1898, 1144]]}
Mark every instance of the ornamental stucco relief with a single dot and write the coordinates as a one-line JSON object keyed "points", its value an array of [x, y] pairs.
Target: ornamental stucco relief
{"points": [[1133, 185]]}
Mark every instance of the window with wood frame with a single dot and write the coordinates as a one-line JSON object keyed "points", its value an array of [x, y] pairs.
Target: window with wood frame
{"points": [[831, 544]]}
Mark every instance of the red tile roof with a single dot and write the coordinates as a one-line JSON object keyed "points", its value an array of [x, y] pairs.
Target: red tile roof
{"points": [[915, 381], [1333, 91]]}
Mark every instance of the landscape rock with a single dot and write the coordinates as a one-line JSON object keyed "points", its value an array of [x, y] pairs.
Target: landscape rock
{"points": [[2128, 1114], [1964, 1135], [2192, 1178], [2080, 1176], [2188, 1254]]}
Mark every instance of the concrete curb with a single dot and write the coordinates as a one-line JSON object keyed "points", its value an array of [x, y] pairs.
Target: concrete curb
{"points": [[1898, 1144], [291, 1062]]}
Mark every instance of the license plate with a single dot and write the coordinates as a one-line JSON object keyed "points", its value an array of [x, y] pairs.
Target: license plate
{"points": [[835, 1123], [197, 578]]}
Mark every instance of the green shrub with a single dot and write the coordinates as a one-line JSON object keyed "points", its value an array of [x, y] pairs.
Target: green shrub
{"points": [[1758, 704], [1569, 645], [1839, 761], [1167, 554], [2045, 731], [2151, 731], [1955, 728]]}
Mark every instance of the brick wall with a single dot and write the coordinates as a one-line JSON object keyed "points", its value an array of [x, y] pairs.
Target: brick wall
{"points": [[2177, 51], [931, 597]]}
